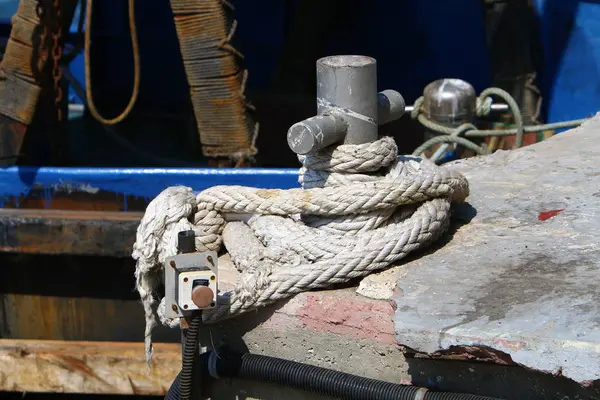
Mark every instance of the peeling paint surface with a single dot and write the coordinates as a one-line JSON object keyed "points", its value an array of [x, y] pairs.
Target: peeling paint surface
{"points": [[146, 183], [521, 277]]}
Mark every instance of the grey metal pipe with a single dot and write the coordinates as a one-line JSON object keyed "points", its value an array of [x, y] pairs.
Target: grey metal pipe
{"points": [[316, 133], [390, 106], [347, 85], [495, 107]]}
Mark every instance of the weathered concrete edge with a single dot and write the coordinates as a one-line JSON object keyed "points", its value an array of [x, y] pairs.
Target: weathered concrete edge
{"points": [[519, 350], [340, 311]]}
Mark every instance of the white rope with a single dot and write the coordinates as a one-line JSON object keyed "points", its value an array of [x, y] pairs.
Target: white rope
{"points": [[361, 208]]}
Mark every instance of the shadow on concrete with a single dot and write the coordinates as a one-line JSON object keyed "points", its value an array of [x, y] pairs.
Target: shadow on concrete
{"points": [[500, 381], [230, 333]]}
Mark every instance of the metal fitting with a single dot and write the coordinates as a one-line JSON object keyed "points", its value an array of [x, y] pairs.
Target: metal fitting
{"points": [[191, 282], [450, 102], [348, 106]]}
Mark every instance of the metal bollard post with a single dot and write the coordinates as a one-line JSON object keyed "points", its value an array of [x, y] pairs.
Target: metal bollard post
{"points": [[348, 106], [451, 103]]}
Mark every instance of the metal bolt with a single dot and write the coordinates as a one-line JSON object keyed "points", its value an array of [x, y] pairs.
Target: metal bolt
{"points": [[212, 304], [174, 307], [172, 263], [185, 306], [185, 279], [210, 260], [212, 278]]}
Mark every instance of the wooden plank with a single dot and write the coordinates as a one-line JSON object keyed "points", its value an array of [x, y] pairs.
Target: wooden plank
{"points": [[86, 367], [31, 316], [68, 232]]}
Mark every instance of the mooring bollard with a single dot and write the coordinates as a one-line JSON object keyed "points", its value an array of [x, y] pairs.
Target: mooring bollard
{"points": [[349, 109]]}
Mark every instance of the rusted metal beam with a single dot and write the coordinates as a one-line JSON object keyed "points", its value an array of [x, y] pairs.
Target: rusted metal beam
{"points": [[68, 232], [87, 367]]}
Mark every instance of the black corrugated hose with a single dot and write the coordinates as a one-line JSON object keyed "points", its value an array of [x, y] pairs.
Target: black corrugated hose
{"points": [[188, 378], [311, 379]]}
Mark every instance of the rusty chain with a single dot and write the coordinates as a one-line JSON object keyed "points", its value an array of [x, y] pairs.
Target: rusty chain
{"points": [[49, 14], [56, 56], [41, 12]]}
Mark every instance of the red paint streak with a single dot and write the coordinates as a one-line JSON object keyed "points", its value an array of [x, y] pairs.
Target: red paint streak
{"points": [[355, 318], [546, 215]]}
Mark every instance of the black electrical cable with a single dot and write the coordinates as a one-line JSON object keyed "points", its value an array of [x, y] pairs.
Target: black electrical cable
{"points": [[312, 379], [190, 350], [174, 392]]}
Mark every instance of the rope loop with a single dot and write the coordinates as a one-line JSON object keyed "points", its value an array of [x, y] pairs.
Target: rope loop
{"points": [[460, 136], [361, 208]]}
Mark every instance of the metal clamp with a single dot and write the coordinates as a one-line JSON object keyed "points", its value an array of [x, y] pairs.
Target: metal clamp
{"points": [[349, 109]]}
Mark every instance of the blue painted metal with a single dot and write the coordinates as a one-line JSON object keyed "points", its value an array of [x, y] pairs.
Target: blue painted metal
{"points": [[145, 183], [570, 34], [7, 9]]}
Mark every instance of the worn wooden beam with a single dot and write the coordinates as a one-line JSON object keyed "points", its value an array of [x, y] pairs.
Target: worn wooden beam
{"points": [[68, 232], [86, 367]]}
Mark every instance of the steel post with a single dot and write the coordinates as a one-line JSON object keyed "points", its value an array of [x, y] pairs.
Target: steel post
{"points": [[347, 86], [348, 106]]}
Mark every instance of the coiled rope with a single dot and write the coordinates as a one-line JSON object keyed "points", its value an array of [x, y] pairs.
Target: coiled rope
{"points": [[483, 108], [361, 208]]}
